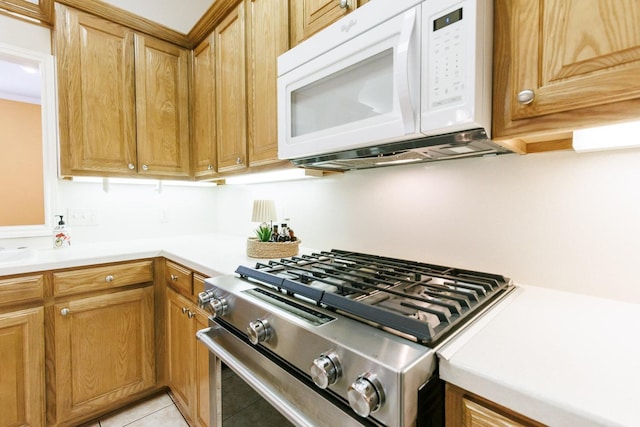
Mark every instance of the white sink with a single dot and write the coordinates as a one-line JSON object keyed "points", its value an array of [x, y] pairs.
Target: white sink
{"points": [[11, 256]]}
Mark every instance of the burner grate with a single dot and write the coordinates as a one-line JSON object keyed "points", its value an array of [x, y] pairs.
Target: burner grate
{"points": [[424, 301]]}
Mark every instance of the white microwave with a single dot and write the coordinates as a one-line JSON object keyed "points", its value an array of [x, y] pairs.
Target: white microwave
{"points": [[392, 82]]}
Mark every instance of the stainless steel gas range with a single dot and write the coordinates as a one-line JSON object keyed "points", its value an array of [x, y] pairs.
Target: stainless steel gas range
{"points": [[341, 338]]}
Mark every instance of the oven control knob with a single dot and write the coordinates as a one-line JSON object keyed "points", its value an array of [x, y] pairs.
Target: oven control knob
{"points": [[326, 370], [365, 395], [259, 331], [218, 307], [204, 298]]}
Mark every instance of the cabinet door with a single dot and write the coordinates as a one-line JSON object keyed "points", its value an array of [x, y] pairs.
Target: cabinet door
{"points": [[204, 110], [464, 409], [267, 38], [104, 350], [162, 106], [572, 56], [95, 61], [231, 107], [22, 369], [310, 16], [181, 347]]}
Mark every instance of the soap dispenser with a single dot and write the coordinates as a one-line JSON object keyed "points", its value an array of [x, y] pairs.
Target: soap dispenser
{"points": [[61, 236]]}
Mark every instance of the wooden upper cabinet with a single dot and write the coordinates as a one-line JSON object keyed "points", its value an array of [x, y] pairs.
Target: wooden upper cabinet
{"points": [[123, 100], [267, 38], [231, 107], [96, 94], [580, 60], [162, 107], [205, 162], [310, 16]]}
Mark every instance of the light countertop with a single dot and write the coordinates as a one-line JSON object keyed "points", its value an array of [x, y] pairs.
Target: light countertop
{"points": [[561, 358], [209, 254]]}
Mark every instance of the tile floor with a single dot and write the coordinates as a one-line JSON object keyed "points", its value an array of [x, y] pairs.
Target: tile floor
{"points": [[157, 411]]}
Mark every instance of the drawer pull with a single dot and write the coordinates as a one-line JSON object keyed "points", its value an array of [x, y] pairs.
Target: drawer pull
{"points": [[64, 311], [109, 278]]}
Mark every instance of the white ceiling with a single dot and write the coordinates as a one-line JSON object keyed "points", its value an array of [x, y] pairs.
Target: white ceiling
{"points": [[177, 15]]}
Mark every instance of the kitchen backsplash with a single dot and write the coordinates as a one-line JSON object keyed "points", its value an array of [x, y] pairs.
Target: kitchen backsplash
{"points": [[561, 220]]}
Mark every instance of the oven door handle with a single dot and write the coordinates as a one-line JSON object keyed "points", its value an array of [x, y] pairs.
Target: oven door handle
{"points": [[270, 394]]}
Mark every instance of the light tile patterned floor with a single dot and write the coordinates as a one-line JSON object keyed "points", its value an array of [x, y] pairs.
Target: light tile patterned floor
{"points": [[157, 411]]}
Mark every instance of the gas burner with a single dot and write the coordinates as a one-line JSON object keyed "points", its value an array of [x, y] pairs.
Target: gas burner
{"points": [[422, 301]]}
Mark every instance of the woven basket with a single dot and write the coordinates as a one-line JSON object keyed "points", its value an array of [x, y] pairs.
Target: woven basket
{"points": [[258, 249]]}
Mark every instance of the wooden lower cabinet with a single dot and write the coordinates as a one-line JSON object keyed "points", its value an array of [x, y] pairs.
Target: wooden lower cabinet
{"points": [[465, 409], [188, 360], [104, 352], [22, 368]]}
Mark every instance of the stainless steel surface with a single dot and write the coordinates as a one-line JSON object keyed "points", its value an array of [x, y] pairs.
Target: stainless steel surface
{"points": [[472, 143], [526, 96], [297, 402], [400, 364]]}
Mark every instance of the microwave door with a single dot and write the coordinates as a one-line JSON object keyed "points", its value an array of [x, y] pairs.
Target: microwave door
{"points": [[363, 91]]}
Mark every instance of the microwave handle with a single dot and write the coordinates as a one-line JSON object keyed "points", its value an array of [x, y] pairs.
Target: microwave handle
{"points": [[402, 71]]}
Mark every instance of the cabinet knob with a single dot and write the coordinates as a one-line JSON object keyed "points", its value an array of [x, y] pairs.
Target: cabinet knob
{"points": [[239, 161], [131, 166], [344, 4], [174, 277], [184, 310], [526, 96], [64, 311], [145, 167], [109, 278], [210, 167], [191, 314]]}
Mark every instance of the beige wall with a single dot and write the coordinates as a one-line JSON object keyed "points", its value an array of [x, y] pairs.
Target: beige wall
{"points": [[21, 178]]}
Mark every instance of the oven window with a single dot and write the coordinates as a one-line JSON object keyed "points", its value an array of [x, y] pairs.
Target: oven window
{"points": [[242, 406]]}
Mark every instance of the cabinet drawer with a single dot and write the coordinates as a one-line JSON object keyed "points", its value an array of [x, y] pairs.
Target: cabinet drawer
{"points": [[179, 278], [102, 277], [21, 289]]}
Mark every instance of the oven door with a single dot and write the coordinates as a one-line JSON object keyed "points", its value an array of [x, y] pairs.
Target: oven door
{"points": [[364, 90], [233, 359]]}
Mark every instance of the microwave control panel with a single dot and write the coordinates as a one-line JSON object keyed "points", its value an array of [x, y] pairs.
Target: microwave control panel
{"points": [[446, 59]]}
